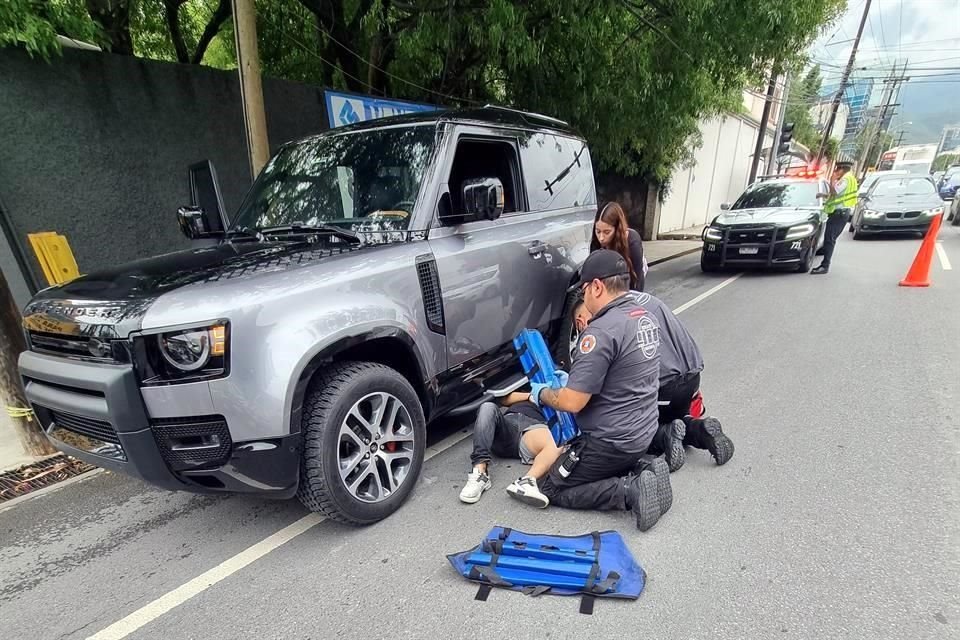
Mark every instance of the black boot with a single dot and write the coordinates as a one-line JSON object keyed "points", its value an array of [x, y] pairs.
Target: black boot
{"points": [[661, 471], [708, 434], [672, 444], [641, 494], [821, 269]]}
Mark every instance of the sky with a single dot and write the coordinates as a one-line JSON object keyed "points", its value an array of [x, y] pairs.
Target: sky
{"points": [[925, 34]]}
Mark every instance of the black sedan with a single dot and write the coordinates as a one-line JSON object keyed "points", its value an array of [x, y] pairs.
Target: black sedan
{"points": [[898, 204], [774, 223]]}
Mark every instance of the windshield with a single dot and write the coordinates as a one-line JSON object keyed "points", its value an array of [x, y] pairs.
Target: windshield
{"points": [[363, 181], [903, 187], [782, 194]]}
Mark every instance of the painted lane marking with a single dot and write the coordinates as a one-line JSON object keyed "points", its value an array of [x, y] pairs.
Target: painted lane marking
{"points": [[944, 260], [150, 612], [706, 294]]}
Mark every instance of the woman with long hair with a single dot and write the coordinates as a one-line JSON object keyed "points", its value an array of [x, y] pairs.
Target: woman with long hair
{"points": [[610, 231]]}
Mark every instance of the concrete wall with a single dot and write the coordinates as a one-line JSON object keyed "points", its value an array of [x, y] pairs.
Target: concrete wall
{"points": [[96, 147], [719, 173]]}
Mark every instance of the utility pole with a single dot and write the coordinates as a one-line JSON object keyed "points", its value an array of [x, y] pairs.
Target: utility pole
{"points": [[251, 90], [894, 93], [782, 114], [762, 134], [843, 85], [900, 137]]}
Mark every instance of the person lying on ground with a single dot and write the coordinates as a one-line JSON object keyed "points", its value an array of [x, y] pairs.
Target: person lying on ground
{"points": [[680, 368], [516, 430]]}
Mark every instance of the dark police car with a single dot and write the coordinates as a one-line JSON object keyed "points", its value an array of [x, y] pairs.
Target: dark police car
{"points": [[776, 222]]}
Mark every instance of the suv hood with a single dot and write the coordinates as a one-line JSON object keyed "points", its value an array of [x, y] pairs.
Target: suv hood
{"points": [[112, 302], [152, 277], [767, 215]]}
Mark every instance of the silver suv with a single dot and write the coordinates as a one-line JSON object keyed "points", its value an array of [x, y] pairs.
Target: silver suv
{"points": [[370, 283]]}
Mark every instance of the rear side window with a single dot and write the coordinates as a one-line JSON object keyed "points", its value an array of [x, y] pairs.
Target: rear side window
{"points": [[557, 172]]}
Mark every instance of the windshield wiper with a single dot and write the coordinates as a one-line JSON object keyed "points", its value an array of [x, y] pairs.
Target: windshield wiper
{"points": [[245, 233], [297, 227]]}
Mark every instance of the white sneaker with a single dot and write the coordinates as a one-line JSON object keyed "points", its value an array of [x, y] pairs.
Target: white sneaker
{"points": [[477, 483], [525, 490]]}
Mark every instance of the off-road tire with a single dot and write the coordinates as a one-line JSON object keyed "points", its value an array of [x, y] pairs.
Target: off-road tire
{"points": [[331, 394], [706, 267], [561, 349]]}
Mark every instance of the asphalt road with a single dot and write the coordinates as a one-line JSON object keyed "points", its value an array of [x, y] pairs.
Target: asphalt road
{"points": [[838, 517]]}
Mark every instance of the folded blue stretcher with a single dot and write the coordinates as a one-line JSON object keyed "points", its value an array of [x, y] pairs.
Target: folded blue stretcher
{"points": [[595, 565], [538, 366]]}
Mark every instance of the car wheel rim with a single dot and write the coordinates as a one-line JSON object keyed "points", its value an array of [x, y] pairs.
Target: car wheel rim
{"points": [[375, 447]]}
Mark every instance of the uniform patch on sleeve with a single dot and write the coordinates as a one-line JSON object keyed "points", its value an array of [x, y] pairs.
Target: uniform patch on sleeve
{"points": [[648, 337], [587, 344]]}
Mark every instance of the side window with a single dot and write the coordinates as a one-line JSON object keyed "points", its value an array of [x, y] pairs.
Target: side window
{"points": [[480, 158], [557, 171]]}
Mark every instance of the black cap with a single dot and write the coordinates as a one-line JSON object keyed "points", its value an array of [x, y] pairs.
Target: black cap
{"points": [[844, 164], [602, 264]]}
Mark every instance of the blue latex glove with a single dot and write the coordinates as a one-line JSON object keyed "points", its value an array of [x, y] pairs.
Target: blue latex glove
{"points": [[562, 377], [535, 389]]}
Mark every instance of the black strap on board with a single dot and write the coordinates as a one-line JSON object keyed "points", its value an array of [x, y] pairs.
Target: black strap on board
{"points": [[586, 604]]}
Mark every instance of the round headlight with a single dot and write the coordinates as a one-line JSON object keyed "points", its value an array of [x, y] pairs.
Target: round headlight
{"points": [[185, 350]]}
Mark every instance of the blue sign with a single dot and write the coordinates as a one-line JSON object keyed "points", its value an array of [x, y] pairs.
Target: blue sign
{"points": [[348, 108]]}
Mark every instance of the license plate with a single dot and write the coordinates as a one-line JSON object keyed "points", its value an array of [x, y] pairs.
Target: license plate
{"points": [[749, 251]]}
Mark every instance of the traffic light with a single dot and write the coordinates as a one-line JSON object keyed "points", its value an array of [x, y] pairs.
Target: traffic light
{"points": [[786, 135]]}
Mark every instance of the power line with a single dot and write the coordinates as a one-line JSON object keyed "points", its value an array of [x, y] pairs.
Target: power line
{"points": [[391, 75]]}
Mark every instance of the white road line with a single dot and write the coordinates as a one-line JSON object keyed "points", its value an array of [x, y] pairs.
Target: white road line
{"points": [[944, 260], [705, 295], [146, 614], [142, 616]]}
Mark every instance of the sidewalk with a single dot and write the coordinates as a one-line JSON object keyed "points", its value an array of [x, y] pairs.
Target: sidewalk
{"points": [[690, 233], [11, 455], [657, 251]]}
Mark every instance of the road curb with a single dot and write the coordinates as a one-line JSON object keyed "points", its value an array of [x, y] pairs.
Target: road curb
{"points": [[39, 493], [685, 252]]}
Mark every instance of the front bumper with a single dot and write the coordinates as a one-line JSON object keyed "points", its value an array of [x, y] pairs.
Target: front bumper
{"points": [[895, 225], [759, 246], [95, 412]]}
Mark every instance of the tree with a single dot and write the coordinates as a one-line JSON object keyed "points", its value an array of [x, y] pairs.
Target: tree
{"points": [[12, 344], [634, 76], [944, 161], [35, 24], [804, 95]]}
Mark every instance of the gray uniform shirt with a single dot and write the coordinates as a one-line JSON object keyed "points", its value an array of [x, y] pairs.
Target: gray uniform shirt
{"points": [[617, 361], [679, 354]]}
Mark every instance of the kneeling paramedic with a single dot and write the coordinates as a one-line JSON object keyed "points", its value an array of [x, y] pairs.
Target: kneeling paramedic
{"points": [[680, 368], [515, 430], [612, 389]]}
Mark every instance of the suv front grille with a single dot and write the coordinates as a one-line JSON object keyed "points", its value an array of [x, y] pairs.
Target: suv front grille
{"points": [[81, 347], [187, 443], [761, 235], [89, 427]]}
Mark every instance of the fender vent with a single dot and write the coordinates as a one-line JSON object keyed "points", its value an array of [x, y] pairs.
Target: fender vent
{"points": [[430, 291]]}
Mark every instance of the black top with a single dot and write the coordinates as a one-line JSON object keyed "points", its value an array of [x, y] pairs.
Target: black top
{"points": [[635, 246]]}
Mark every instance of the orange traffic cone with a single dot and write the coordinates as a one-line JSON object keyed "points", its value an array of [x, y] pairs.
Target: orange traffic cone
{"points": [[919, 274]]}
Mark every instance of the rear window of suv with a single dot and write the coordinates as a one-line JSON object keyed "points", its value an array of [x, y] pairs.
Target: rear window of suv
{"points": [[778, 194]]}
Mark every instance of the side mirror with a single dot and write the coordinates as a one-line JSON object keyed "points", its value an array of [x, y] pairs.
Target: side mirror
{"points": [[205, 196], [193, 223], [725, 206], [483, 198]]}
